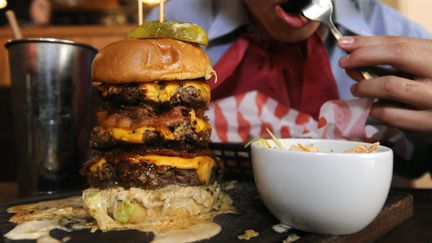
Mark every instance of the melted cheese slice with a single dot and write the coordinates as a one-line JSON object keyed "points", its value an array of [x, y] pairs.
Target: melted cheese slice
{"points": [[157, 94], [198, 124], [94, 168], [136, 136], [202, 164]]}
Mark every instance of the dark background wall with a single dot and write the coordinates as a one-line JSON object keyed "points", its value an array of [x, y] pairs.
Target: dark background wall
{"points": [[8, 166]]}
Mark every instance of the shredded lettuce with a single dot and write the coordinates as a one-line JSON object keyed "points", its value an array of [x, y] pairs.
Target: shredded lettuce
{"points": [[123, 211], [264, 142]]}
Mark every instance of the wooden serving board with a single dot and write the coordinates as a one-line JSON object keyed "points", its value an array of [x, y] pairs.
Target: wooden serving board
{"points": [[253, 215]]}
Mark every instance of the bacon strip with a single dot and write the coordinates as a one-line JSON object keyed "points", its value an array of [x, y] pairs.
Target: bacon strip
{"points": [[137, 117]]}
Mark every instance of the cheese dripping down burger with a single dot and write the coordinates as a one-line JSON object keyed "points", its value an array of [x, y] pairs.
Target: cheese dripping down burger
{"points": [[151, 162]]}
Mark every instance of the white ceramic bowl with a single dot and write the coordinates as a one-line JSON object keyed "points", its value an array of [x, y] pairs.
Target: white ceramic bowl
{"points": [[330, 193]]}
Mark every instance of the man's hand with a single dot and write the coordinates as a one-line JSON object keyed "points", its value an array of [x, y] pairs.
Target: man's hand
{"points": [[405, 91]]}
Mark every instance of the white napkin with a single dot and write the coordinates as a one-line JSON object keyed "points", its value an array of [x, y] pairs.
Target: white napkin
{"points": [[240, 118]]}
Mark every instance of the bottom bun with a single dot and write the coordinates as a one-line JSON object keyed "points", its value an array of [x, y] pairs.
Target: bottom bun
{"points": [[170, 207]]}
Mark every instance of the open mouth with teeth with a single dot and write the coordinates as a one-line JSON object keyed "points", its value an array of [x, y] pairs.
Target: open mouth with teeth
{"points": [[290, 12]]}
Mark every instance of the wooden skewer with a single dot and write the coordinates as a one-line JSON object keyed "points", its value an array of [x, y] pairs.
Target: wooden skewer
{"points": [[161, 11], [140, 12], [14, 24]]}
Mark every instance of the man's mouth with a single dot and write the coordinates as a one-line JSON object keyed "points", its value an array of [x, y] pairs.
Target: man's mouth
{"points": [[290, 11]]}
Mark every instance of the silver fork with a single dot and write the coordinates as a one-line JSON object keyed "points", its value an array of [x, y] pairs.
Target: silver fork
{"points": [[322, 11]]}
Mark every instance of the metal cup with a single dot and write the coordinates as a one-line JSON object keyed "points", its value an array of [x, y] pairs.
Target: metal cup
{"points": [[51, 99]]}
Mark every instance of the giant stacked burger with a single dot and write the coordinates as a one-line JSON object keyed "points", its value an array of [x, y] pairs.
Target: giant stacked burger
{"points": [[151, 165]]}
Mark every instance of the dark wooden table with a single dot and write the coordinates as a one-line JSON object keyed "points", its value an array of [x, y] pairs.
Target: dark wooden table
{"points": [[419, 227], [416, 229]]}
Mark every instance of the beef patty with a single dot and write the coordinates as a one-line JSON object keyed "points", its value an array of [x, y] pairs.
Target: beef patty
{"points": [[121, 169], [135, 93], [179, 126]]}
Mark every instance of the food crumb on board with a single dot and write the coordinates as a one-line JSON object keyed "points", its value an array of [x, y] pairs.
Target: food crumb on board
{"points": [[281, 228], [291, 238], [230, 185], [66, 239], [248, 234]]}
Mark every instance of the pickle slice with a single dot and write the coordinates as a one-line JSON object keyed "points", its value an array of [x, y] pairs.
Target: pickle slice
{"points": [[184, 31]]}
